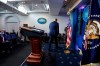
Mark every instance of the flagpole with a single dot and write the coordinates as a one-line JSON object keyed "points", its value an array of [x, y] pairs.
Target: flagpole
{"points": [[68, 40]]}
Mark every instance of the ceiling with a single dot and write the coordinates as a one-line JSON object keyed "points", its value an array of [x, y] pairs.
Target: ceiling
{"points": [[54, 7]]}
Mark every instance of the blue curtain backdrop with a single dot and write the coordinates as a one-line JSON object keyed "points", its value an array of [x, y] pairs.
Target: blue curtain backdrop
{"points": [[74, 20], [78, 28], [81, 27], [83, 20]]}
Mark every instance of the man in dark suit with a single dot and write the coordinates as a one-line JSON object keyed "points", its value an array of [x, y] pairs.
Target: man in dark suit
{"points": [[54, 31]]}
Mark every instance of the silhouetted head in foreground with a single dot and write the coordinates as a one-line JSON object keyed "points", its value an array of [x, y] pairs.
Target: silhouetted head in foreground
{"points": [[56, 20]]}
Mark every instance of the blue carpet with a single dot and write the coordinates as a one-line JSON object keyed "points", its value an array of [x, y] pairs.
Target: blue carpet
{"points": [[57, 57]]}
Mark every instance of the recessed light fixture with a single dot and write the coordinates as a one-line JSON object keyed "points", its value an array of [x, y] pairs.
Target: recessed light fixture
{"points": [[23, 2], [82, 7], [22, 9], [36, 5], [4, 1]]}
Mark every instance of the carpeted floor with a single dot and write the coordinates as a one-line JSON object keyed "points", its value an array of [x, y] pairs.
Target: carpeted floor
{"points": [[18, 55], [57, 57], [52, 58]]}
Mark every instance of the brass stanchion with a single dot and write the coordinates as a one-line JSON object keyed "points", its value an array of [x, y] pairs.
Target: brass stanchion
{"points": [[67, 51]]}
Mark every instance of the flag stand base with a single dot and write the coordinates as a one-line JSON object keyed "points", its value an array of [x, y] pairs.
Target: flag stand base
{"points": [[67, 51]]}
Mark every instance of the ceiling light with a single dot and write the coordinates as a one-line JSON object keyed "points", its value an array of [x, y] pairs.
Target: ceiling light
{"points": [[4, 1], [36, 5], [82, 7], [23, 2], [47, 6], [66, 0], [22, 9]]}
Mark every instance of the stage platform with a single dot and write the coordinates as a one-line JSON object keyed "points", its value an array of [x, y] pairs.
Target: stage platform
{"points": [[56, 57]]}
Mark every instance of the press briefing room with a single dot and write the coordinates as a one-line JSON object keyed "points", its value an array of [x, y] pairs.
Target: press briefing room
{"points": [[49, 32]]}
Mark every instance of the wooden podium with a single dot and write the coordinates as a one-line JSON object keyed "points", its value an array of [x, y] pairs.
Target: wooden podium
{"points": [[35, 39]]}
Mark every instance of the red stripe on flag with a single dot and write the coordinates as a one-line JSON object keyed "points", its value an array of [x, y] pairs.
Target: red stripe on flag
{"points": [[68, 41]]}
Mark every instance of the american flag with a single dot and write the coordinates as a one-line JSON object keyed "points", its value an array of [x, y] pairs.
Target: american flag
{"points": [[69, 32]]}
